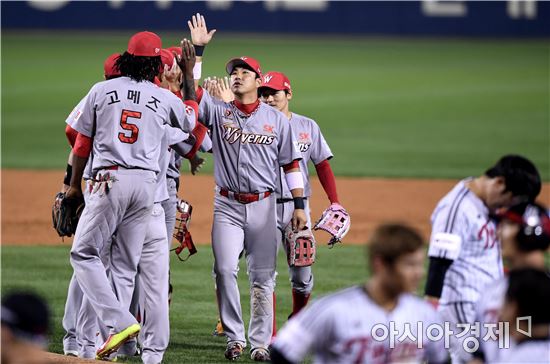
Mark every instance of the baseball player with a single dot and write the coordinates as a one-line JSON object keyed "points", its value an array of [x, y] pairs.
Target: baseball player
{"points": [[465, 253], [276, 91], [26, 323], [250, 142], [73, 306], [526, 312], [373, 323], [524, 233], [124, 121]]}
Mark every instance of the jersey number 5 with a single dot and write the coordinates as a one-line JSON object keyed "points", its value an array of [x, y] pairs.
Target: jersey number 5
{"points": [[133, 128]]}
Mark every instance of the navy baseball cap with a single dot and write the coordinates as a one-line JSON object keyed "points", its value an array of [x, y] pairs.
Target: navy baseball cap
{"points": [[28, 317]]}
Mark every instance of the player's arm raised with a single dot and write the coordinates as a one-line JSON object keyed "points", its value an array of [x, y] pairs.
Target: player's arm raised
{"points": [[200, 37]]}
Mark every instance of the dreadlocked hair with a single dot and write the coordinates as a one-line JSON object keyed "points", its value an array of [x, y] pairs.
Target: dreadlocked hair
{"points": [[138, 68]]}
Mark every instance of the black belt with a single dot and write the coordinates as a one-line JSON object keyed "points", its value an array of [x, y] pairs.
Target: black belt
{"points": [[285, 200]]}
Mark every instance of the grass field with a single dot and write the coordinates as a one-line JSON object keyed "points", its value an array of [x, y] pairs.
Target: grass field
{"points": [[396, 108], [46, 270]]}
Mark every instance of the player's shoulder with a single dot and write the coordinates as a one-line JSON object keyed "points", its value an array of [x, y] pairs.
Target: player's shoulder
{"points": [[304, 121], [417, 304], [209, 99], [456, 198], [343, 297], [271, 111]]}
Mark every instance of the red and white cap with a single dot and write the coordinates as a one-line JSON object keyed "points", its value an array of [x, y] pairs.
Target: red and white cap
{"points": [[167, 58], [276, 81], [246, 62], [145, 44], [109, 68], [175, 50]]}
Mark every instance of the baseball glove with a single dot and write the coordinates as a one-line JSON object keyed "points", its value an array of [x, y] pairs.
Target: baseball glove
{"points": [[336, 221], [300, 247], [181, 232], [66, 213]]}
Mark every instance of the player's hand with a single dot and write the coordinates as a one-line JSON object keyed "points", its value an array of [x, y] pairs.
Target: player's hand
{"points": [[195, 164], [299, 219], [171, 74], [74, 192], [223, 89], [200, 36], [188, 57]]}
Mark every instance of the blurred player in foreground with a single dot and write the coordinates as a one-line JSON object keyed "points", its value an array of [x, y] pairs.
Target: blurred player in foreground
{"points": [[464, 250], [352, 326], [526, 312], [25, 325], [524, 233]]}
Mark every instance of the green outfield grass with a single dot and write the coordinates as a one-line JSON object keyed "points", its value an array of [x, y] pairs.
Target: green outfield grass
{"points": [[46, 270], [388, 107]]}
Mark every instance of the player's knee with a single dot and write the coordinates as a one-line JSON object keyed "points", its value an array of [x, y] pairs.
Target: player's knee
{"points": [[261, 280], [302, 283], [221, 272]]}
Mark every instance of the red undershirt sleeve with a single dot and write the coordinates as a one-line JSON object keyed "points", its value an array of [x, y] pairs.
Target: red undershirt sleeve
{"points": [[71, 135], [326, 177], [82, 146]]}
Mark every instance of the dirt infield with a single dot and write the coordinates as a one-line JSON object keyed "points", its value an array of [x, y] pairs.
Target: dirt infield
{"points": [[27, 197]]}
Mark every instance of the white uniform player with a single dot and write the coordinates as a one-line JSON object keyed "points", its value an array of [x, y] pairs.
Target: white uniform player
{"points": [[464, 249], [123, 121], [380, 322], [276, 91], [251, 141]]}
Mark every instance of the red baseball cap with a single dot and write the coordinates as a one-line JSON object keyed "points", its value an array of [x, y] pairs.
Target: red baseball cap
{"points": [[145, 44], [246, 62], [175, 50], [276, 81], [167, 58], [109, 68]]}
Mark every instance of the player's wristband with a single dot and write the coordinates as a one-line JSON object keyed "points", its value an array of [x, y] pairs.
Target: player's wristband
{"points": [[68, 175], [199, 50], [197, 71], [299, 203]]}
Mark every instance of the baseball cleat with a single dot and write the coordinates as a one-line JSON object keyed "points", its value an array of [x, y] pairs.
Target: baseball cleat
{"points": [[260, 354], [71, 353], [234, 351], [219, 331], [115, 341]]}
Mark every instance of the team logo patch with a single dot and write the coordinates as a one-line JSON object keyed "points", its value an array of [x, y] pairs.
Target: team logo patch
{"points": [[303, 136], [188, 110], [267, 78], [232, 134], [269, 128], [77, 115], [228, 114]]}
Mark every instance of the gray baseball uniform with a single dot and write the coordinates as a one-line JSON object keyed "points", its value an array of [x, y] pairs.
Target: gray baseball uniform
{"points": [[248, 152], [155, 263], [314, 147], [463, 232], [126, 120], [75, 311], [349, 327]]}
